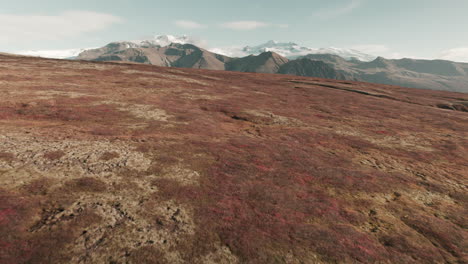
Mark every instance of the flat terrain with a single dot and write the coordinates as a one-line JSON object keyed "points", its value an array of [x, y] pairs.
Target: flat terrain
{"points": [[128, 163]]}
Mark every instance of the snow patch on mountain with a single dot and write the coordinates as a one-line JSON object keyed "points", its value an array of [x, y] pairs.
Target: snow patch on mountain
{"points": [[292, 50], [166, 40]]}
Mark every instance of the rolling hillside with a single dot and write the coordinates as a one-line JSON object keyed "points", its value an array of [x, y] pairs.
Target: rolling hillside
{"points": [[133, 163]]}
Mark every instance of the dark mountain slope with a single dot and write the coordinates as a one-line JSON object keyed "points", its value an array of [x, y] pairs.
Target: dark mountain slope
{"points": [[438, 67], [307, 67], [426, 74], [194, 57], [267, 62], [174, 55]]}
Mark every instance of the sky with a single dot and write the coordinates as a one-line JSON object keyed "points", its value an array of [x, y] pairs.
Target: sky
{"points": [[397, 28]]}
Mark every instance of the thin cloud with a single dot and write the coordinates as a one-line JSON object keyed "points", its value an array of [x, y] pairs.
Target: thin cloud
{"points": [[383, 51], [19, 28], [244, 25], [188, 24], [251, 25], [328, 13], [456, 54], [372, 49]]}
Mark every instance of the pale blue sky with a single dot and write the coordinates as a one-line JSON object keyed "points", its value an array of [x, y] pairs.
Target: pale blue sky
{"points": [[413, 28]]}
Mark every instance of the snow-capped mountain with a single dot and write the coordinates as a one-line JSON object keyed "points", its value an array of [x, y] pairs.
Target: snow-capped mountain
{"points": [[292, 50], [165, 40], [53, 54], [346, 54], [158, 40]]}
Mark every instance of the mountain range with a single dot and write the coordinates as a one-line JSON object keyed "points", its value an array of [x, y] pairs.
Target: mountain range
{"points": [[290, 50], [279, 57]]}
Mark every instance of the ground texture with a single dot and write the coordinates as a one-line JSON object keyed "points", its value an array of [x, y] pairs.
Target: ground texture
{"points": [[127, 163]]}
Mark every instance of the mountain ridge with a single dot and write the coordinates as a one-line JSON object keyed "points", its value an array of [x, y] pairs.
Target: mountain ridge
{"points": [[267, 62], [426, 74]]}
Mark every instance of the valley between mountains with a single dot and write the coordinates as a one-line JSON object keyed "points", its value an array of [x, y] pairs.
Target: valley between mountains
{"points": [[130, 163]]}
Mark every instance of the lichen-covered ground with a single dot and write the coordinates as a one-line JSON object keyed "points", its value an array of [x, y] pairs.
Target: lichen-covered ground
{"points": [[126, 163]]}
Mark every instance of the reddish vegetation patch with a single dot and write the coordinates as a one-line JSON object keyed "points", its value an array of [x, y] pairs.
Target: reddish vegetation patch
{"points": [[6, 156], [448, 236], [256, 210], [86, 184], [147, 254], [106, 156], [15, 214], [54, 155], [269, 171], [38, 187], [65, 109], [5, 214], [381, 132]]}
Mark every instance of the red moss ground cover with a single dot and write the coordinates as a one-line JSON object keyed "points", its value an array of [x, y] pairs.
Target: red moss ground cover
{"points": [[262, 168]]}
